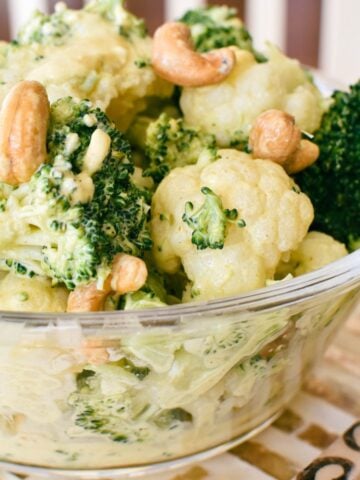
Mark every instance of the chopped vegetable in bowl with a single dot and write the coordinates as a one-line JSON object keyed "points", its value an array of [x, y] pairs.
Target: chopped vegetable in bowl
{"points": [[163, 190], [197, 200], [227, 223]]}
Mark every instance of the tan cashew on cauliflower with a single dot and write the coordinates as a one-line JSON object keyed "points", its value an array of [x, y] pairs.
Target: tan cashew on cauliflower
{"points": [[274, 136], [175, 60], [229, 108], [228, 223]]}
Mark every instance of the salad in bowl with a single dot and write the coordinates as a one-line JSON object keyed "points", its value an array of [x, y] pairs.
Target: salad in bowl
{"points": [[179, 229]]}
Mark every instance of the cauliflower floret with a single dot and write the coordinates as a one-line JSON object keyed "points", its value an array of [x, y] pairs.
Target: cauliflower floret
{"points": [[88, 59], [315, 251], [23, 294], [274, 218], [228, 109]]}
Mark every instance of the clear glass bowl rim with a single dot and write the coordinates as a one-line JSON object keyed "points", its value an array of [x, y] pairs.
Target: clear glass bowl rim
{"points": [[343, 275]]}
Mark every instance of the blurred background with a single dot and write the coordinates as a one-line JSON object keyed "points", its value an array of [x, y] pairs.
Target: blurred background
{"points": [[321, 33]]}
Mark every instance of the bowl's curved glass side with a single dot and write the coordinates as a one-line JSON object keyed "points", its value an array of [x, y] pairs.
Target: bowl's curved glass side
{"points": [[343, 273], [74, 400]]}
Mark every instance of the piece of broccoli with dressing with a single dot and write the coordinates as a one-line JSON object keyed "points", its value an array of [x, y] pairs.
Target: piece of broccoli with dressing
{"points": [[209, 221], [171, 143], [217, 27], [113, 414], [333, 182], [152, 295], [130, 26], [44, 29], [79, 210]]}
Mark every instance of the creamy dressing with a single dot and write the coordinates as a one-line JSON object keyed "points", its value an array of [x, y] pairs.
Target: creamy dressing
{"points": [[97, 151], [93, 451], [97, 453], [236, 404], [72, 143]]}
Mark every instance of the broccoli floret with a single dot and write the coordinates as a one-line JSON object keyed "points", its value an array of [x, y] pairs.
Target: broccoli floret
{"points": [[153, 294], [209, 221], [216, 27], [130, 26], [333, 181], [141, 300], [44, 29], [115, 414], [66, 223], [71, 126], [170, 143], [54, 29], [108, 414]]}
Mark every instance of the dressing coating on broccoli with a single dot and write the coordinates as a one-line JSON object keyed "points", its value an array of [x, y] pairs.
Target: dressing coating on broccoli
{"points": [[80, 209], [171, 143], [217, 26]]}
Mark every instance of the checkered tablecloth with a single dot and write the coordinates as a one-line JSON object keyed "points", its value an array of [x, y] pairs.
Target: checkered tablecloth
{"points": [[316, 438]]}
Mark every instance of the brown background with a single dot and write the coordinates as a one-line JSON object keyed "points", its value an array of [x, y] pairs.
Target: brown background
{"points": [[303, 22]]}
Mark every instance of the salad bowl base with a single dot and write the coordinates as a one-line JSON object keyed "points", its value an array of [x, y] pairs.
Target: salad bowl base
{"points": [[262, 376], [146, 471]]}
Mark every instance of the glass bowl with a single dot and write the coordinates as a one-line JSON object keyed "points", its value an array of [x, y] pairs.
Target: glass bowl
{"points": [[124, 394]]}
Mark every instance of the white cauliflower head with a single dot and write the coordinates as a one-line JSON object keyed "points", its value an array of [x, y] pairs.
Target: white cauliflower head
{"points": [[315, 251], [24, 294], [228, 109], [273, 217]]}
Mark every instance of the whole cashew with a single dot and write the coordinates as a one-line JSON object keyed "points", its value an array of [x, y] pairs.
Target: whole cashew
{"points": [[128, 274], [24, 119], [274, 136], [175, 60]]}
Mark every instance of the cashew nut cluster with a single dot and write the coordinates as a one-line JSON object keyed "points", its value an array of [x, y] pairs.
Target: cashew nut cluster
{"points": [[128, 274], [24, 120], [175, 60], [274, 136]]}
